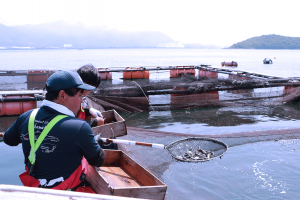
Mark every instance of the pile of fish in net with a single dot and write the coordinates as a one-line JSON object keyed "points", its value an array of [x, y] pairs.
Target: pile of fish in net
{"points": [[196, 149], [199, 154]]}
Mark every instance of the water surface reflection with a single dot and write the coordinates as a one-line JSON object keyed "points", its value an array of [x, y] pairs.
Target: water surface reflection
{"points": [[218, 120]]}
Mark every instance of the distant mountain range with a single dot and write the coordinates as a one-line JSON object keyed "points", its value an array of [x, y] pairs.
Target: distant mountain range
{"points": [[269, 42], [63, 35]]}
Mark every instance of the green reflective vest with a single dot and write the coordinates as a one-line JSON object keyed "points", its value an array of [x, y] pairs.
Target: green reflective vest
{"points": [[35, 144]]}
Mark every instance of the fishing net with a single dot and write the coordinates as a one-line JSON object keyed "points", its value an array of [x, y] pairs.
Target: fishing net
{"points": [[158, 161], [196, 149], [191, 92]]}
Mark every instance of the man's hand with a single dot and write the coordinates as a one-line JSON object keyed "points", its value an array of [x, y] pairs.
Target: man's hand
{"points": [[95, 113], [99, 140], [100, 121]]}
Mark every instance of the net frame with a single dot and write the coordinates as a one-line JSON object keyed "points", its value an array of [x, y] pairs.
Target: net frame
{"points": [[179, 147]]}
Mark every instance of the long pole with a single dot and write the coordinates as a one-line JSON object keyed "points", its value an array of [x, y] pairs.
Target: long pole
{"points": [[118, 141]]}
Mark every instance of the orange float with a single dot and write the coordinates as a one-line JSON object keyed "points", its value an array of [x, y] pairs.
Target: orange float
{"points": [[193, 99], [38, 78], [229, 64], [135, 74], [207, 74], [105, 75], [181, 71], [289, 90], [16, 108], [39, 75]]}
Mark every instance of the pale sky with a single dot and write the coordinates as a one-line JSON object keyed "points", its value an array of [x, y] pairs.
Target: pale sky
{"points": [[215, 22]]}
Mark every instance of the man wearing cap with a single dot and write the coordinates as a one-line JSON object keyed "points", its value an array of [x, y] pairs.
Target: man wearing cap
{"points": [[54, 141]]}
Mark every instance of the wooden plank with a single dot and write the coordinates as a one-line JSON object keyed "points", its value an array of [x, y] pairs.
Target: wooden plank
{"points": [[119, 129], [118, 117], [112, 179], [157, 193], [112, 157], [139, 173], [117, 177], [109, 115], [98, 183], [118, 125]]}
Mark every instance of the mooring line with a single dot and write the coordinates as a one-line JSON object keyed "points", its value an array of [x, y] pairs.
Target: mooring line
{"points": [[144, 94]]}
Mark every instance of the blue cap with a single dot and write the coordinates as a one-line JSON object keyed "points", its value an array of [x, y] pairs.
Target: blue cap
{"points": [[63, 80]]}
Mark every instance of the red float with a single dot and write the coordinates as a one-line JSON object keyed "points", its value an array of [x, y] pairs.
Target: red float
{"points": [[105, 75], [289, 90], [181, 71], [204, 98], [208, 74], [37, 79], [229, 64], [16, 108], [144, 74]]}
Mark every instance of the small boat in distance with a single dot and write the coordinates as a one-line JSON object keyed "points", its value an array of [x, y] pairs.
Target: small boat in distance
{"points": [[268, 61], [229, 64]]}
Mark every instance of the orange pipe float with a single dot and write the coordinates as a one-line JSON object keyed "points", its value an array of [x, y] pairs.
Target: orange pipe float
{"points": [[229, 64], [16, 108], [135, 74], [207, 74], [181, 71], [105, 75]]}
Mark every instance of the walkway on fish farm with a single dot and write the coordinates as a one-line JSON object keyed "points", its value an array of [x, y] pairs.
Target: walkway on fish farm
{"points": [[157, 161]]}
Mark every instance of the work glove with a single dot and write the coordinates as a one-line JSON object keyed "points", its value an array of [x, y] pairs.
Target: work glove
{"points": [[95, 113], [99, 140]]}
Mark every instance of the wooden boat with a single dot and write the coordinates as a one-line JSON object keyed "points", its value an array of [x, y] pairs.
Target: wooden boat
{"points": [[120, 175]]}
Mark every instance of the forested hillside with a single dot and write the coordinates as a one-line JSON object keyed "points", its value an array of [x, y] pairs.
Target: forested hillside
{"points": [[269, 42]]}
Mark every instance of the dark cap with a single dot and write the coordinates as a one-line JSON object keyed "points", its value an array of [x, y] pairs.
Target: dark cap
{"points": [[63, 80]]}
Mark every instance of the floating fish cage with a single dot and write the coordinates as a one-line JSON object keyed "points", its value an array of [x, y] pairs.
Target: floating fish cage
{"points": [[186, 87], [194, 92]]}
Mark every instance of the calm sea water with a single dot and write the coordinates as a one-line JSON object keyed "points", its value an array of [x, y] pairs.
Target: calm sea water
{"points": [[264, 170]]}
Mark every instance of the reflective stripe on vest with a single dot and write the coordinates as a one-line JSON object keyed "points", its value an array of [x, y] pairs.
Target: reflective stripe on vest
{"points": [[81, 107], [35, 145]]}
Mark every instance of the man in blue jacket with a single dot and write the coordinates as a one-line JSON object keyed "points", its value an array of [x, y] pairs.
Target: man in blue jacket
{"points": [[54, 141]]}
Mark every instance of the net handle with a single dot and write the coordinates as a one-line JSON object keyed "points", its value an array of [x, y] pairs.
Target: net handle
{"points": [[118, 141]]}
